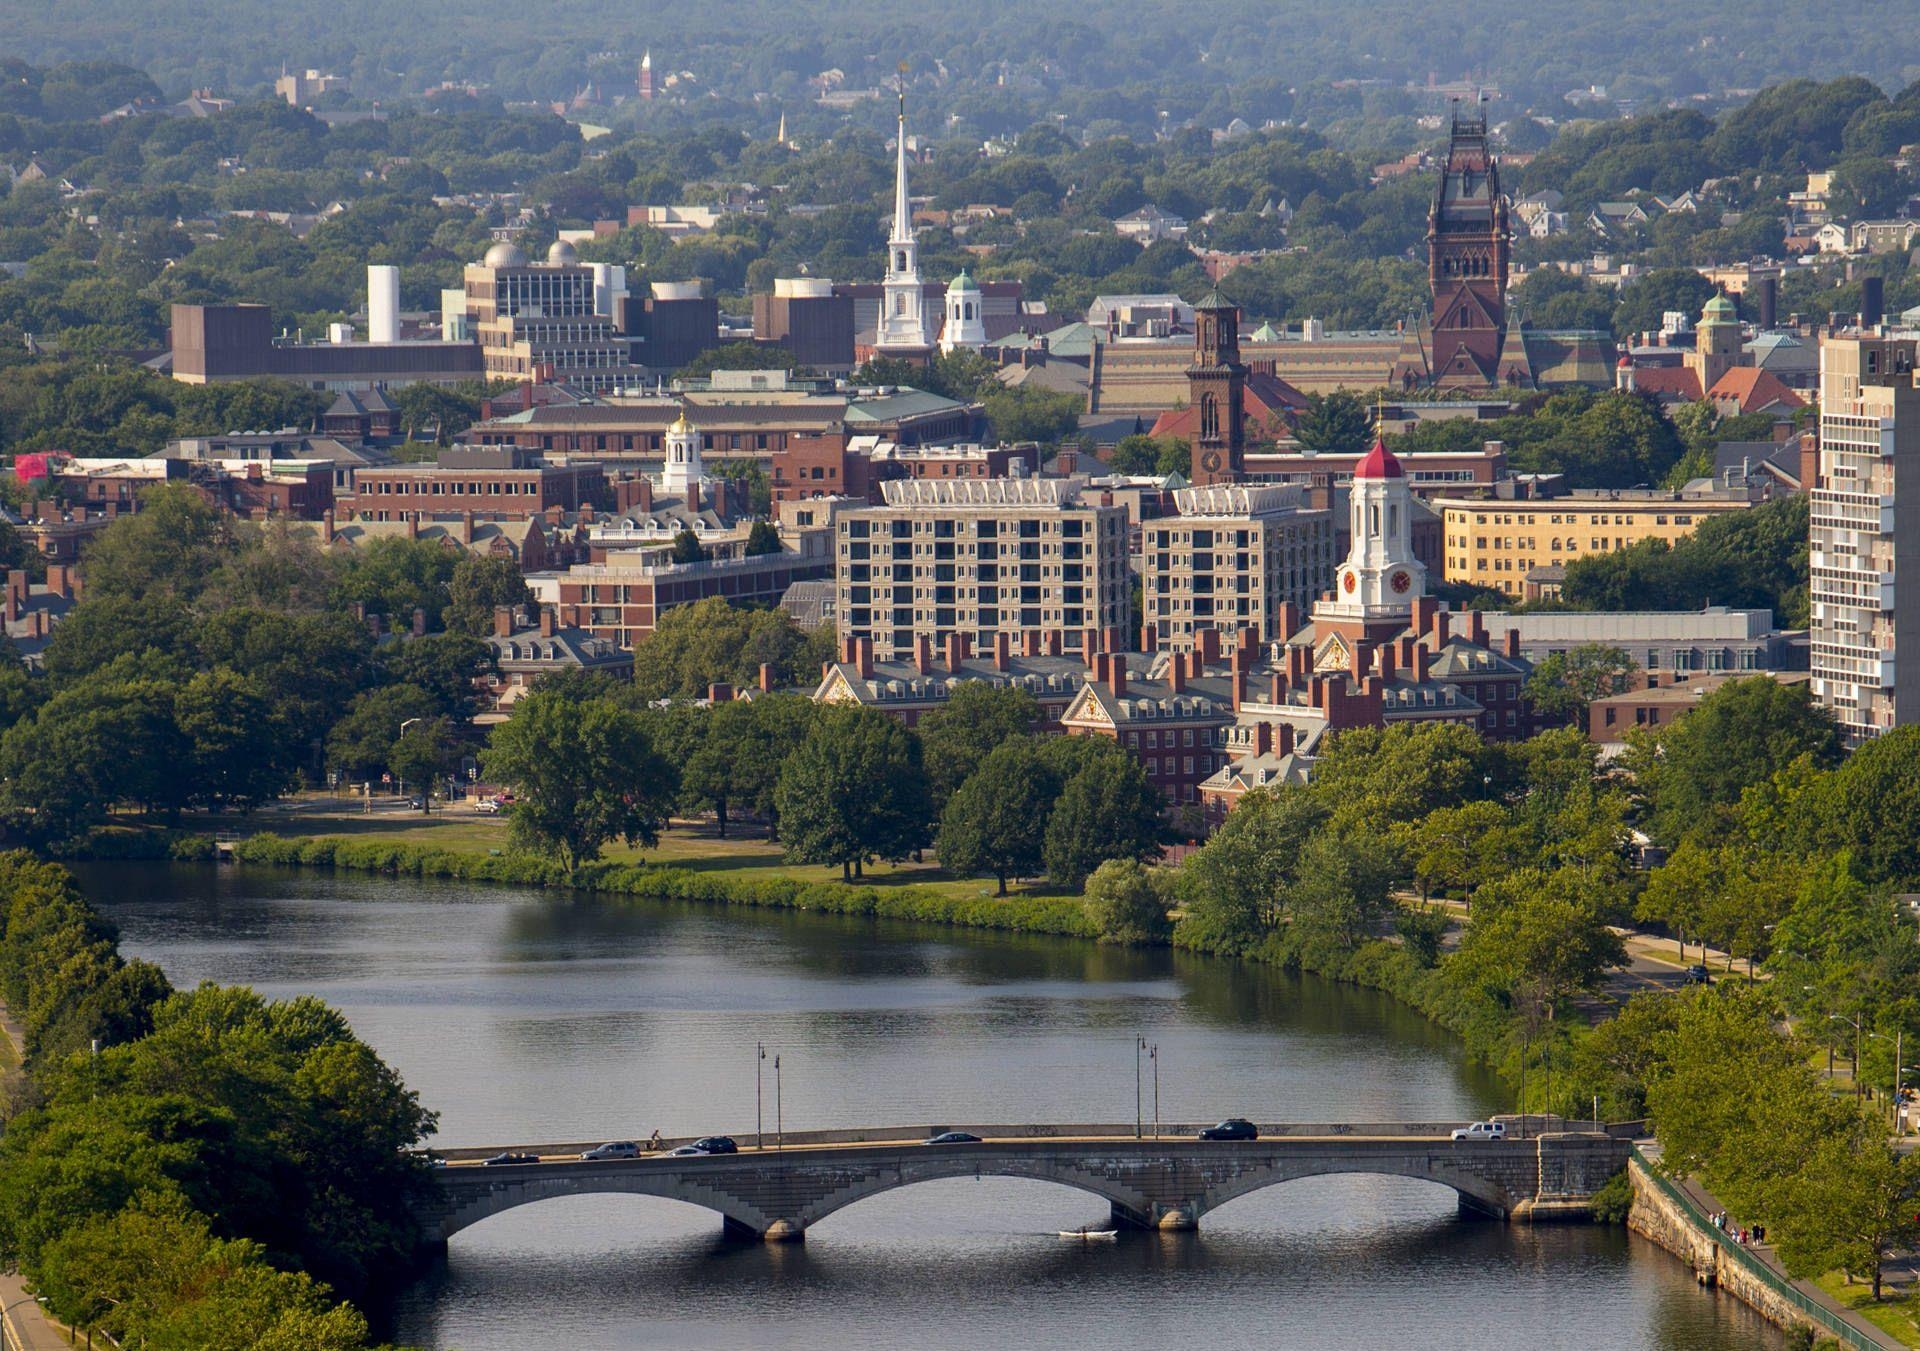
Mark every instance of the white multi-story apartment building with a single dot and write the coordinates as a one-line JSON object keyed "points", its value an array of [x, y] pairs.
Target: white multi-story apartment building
{"points": [[1233, 556], [977, 558], [1869, 440]]}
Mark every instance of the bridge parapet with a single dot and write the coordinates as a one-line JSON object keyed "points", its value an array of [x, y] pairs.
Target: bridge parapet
{"points": [[1160, 1183]]}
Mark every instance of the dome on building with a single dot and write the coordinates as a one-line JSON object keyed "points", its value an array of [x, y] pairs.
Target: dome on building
{"points": [[1625, 362], [505, 255], [680, 427], [1719, 310], [963, 282], [561, 254], [1379, 463]]}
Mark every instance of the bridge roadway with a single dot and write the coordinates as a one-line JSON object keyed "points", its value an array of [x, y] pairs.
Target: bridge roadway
{"points": [[778, 1192]]}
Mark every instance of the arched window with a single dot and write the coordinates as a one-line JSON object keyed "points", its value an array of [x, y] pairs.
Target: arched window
{"points": [[1393, 520], [1209, 417], [1373, 519]]}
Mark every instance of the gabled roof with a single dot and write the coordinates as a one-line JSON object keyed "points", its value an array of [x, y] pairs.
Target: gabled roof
{"points": [[1669, 382], [1754, 390]]}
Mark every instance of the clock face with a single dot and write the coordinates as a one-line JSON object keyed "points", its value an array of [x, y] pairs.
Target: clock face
{"points": [[1211, 462], [1348, 582], [1400, 581]]}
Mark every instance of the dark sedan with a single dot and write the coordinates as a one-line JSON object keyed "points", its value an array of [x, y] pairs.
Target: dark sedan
{"points": [[499, 1159], [716, 1144], [954, 1138], [1233, 1128]]}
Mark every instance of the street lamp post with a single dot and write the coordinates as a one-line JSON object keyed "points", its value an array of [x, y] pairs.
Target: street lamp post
{"points": [[1896, 1038], [1153, 1054], [759, 1122], [1854, 1023], [779, 1117], [1139, 1045]]}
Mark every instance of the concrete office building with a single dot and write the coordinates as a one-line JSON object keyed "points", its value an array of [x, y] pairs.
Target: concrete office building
{"points": [[973, 558], [1231, 558], [538, 321], [1714, 639], [1869, 439], [212, 343]]}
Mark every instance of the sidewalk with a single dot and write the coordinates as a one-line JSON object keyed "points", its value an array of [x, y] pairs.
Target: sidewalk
{"points": [[1764, 1254], [26, 1325]]}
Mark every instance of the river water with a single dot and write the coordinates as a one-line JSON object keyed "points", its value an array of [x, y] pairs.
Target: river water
{"points": [[523, 1018]]}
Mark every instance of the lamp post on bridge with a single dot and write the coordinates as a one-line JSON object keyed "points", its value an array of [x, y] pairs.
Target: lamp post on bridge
{"points": [[1139, 1045], [759, 1127], [779, 1119], [1153, 1054]]}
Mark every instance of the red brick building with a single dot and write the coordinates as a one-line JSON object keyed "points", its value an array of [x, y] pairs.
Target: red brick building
{"points": [[500, 482]]}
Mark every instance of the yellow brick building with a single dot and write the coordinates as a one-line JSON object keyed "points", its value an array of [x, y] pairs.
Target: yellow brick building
{"points": [[1495, 543]]}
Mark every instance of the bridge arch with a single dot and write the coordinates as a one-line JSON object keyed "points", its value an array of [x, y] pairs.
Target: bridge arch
{"points": [[1474, 1190], [466, 1210]]}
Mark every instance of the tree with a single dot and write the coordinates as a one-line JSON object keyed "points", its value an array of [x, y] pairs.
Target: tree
{"points": [[360, 744], [1108, 809], [699, 645], [1536, 952], [585, 773], [1564, 683], [240, 752], [1693, 771], [395, 578], [687, 547], [481, 584], [418, 756], [996, 821], [164, 552], [739, 356], [853, 790], [763, 538], [1850, 1206], [958, 736], [1127, 903], [445, 665], [1333, 424]]}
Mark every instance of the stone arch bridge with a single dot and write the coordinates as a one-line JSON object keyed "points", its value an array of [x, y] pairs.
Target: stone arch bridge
{"points": [[1167, 1182]]}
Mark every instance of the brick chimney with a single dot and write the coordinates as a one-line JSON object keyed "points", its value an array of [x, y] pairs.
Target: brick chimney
{"points": [[419, 622], [1442, 629], [1262, 737], [1177, 674], [1053, 642], [1424, 609], [1277, 688], [1209, 646], [1513, 643], [720, 692], [1002, 651], [546, 621], [1477, 628], [1239, 689], [768, 682], [413, 525], [922, 654], [1283, 739], [60, 580], [1090, 645], [1149, 638], [1384, 659], [326, 526], [953, 647], [1289, 621], [863, 657], [1029, 642], [848, 649], [1422, 664], [503, 621], [1116, 674], [1359, 659]]}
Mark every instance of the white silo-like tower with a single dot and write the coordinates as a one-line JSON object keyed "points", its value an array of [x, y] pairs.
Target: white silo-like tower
{"points": [[383, 303]]}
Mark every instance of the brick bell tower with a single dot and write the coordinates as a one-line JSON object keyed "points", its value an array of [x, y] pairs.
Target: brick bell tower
{"points": [[1217, 389], [1467, 246]]}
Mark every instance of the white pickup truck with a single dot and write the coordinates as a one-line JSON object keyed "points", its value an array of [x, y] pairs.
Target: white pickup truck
{"points": [[1482, 1130]]}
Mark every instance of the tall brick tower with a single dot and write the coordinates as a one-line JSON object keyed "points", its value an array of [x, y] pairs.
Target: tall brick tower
{"points": [[1467, 246], [1216, 386]]}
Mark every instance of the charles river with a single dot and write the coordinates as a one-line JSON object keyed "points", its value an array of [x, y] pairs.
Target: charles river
{"points": [[526, 1018]]}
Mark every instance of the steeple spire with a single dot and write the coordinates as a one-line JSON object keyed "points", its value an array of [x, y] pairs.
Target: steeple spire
{"points": [[902, 212]]}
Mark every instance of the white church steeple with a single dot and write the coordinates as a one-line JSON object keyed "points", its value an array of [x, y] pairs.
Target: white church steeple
{"points": [[902, 330]]}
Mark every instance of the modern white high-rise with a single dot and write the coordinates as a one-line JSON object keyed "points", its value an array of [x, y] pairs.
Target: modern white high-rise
{"points": [[1869, 452]]}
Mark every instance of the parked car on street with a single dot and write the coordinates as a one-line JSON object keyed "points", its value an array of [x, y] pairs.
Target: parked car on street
{"points": [[1482, 1130], [486, 806], [614, 1149], [1233, 1128], [1697, 974]]}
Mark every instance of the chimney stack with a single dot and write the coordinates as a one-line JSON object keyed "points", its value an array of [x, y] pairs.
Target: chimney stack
{"points": [[1283, 740], [1262, 738], [1442, 629], [1149, 638], [863, 657], [1477, 627], [1030, 642], [922, 654], [1117, 674], [1002, 651], [768, 683], [547, 620], [1053, 642], [419, 623], [1209, 641], [1289, 621], [1513, 643], [953, 654], [1177, 674], [720, 692], [1422, 664], [503, 621]]}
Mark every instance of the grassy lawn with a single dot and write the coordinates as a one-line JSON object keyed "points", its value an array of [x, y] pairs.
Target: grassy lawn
{"points": [[1895, 1314], [692, 845]]}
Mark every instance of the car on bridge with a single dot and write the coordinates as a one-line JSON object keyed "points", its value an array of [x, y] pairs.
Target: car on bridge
{"points": [[509, 1157], [613, 1149], [954, 1138], [1233, 1128], [1482, 1130], [713, 1144]]}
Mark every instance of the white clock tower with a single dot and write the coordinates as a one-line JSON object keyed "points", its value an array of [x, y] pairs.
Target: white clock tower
{"points": [[1378, 583]]}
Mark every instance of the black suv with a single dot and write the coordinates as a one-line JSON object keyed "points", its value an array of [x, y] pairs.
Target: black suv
{"points": [[716, 1144], [1233, 1128]]}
